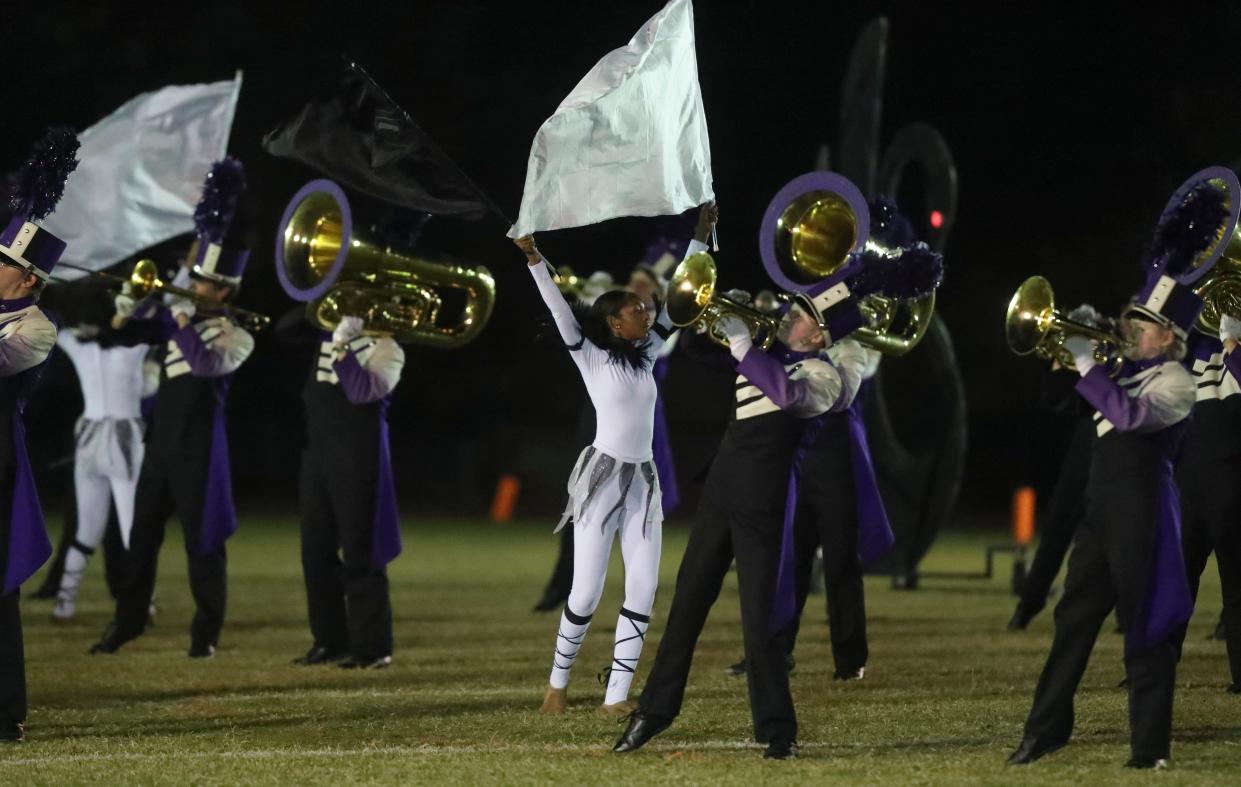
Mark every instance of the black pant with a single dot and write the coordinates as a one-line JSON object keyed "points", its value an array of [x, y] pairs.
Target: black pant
{"points": [[827, 516], [1211, 521], [167, 486], [1065, 512], [1109, 567], [12, 654], [719, 534], [347, 599]]}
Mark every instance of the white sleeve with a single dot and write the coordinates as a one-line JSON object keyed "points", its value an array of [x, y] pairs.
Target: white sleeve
{"points": [[1169, 398], [820, 385], [28, 345], [227, 352], [566, 323], [386, 362]]}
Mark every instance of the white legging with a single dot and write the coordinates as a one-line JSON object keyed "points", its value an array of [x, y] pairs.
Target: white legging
{"points": [[592, 545], [95, 493]]}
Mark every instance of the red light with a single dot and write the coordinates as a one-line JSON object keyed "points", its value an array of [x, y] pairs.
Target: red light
{"points": [[937, 219]]}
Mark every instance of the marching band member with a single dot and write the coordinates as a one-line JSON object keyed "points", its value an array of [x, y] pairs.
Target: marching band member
{"points": [[27, 255], [1209, 477], [350, 528], [109, 444], [838, 508], [741, 514], [1127, 553], [613, 489], [186, 466]]}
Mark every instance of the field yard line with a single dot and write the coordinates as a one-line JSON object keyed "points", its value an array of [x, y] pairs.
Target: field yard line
{"points": [[272, 754]]}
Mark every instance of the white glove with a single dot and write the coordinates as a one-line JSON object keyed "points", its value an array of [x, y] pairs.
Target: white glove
{"points": [[182, 306], [348, 329], [739, 341], [124, 302], [1229, 328], [1082, 350], [739, 296], [1085, 314]]}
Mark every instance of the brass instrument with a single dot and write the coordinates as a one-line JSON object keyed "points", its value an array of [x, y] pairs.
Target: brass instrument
{"points": [[1033, 325], [144, 281], [811, 231], [692, 299], [322, 260], [1215, 272]]}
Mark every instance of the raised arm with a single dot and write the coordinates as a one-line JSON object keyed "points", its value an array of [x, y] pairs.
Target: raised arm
{"points": [[566, 323]]}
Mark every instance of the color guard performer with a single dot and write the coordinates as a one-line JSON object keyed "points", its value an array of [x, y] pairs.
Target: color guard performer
{"points": [[613, 489], [108, 436], [27, 255], [186, 466]]}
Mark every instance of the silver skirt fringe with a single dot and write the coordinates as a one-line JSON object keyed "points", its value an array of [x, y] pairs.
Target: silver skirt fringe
{"points": [[604, 489]]}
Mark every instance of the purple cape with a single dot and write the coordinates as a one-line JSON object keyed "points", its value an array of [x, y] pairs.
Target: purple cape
{"points": [[29, 547]]}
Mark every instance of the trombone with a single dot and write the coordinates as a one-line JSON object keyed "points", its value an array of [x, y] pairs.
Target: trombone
{"points": [[144, 281]]}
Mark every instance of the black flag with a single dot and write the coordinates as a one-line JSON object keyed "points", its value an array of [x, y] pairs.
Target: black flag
{"points": [[360, 137]]}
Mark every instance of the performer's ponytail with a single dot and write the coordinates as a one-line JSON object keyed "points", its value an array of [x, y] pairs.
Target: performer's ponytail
{"points": [[593, 320]]}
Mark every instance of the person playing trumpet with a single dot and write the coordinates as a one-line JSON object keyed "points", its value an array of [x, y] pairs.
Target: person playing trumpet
{"points": [[741, 512], [1126, 553], [186, 466]]}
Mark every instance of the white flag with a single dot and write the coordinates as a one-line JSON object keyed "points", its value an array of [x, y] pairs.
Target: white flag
{"points": [[141, 171], [630, 140]]}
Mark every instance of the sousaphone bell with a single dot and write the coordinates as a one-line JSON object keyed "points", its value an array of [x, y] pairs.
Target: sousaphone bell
{"points": [[323, 260]]}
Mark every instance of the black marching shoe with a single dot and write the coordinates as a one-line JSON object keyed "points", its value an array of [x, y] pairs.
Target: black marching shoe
{"points": [[13, 732], [780, 749], [110, 642], [640, 730], [320, 655], [1234, 688], [850, 674], [1031, 749], [1147, 763], [738, 669], [355, 662], [201, 650]]}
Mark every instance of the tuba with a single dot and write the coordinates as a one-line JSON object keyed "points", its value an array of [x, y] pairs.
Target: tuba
{"points": [[1215, 272], [322, 260], [1033, 325], [810, 233], [692, 299]]}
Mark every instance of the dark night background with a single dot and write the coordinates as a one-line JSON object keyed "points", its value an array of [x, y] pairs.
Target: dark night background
{"points": [[1070, 126]]}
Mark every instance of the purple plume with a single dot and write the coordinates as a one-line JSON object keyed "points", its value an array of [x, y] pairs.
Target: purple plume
{"points": [[916, 272], [39, 184], [222, 191], [888, 225], [1187, 230]]}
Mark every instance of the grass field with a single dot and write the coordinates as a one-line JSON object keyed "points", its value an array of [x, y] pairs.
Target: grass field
{"points": [[942, 703]]}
